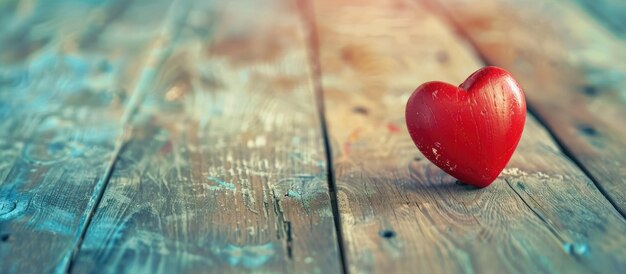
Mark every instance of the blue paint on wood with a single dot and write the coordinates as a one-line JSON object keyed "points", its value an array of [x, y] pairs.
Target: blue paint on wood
{"points": [[611, 13], [12, 206], [294, 194], [250, 257], [221, 184], [577, 249], [58, 221]]}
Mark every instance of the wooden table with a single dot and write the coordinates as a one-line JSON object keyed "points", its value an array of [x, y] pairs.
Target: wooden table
{"points": [[155, 136]]}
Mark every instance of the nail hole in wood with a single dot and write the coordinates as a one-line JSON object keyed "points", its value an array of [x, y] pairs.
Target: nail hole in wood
{"points": [[5, 237], [587, 130], [360, 110], [590, 90], [387, 234], [576, 249], [442, 57]]}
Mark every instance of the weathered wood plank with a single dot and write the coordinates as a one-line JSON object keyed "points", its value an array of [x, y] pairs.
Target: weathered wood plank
{"points": [[401, 213], [60, 117], [568, 65], [612, 13], [225, 171]]}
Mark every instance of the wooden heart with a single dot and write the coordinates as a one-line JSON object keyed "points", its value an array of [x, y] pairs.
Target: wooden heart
{"points": [[470, 131]]}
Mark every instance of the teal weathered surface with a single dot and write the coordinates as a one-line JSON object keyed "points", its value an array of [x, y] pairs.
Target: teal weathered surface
{"points": [[60, 120], [184, 136], [611, 13], [225, 169]]}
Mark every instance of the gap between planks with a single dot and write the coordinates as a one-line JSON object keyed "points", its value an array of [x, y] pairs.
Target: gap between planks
{"points": [[447, 17], [307, 16], [160, 51], [570, 156]]}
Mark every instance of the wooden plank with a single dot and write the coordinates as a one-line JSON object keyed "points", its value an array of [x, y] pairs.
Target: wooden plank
{"points": [[398, 211], [225, 171], [567, 64], [60, 119], [611, 13]]}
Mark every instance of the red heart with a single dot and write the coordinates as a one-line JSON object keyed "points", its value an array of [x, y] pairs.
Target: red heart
{"points": [[469, 131]]}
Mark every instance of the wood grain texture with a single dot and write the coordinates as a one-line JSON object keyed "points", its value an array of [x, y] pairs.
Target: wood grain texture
{"points": [[60, 118], [399, 213], [225, 171], [567, 64]]}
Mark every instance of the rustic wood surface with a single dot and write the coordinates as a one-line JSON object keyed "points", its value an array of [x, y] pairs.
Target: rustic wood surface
{"points": [[61, 107], [398, 211], [226, 167], [268, 137], [567, 65], [610, 13]]}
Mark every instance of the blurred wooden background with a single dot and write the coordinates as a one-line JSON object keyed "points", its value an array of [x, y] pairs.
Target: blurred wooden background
{"points": [[155, 136]]}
